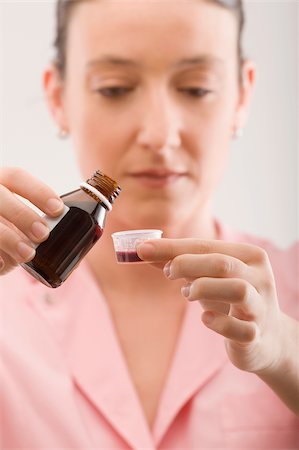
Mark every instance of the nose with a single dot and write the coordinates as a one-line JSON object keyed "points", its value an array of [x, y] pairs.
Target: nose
{"points": [[160, 125]]}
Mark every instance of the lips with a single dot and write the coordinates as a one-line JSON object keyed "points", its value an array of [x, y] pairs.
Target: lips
{"points": [[157, 177]]}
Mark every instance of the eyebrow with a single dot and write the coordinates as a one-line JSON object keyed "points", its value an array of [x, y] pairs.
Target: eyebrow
{"points": [[112, 60], [201, 60]]}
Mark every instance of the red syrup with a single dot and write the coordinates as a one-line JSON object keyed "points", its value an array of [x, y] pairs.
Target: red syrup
{"points": [[128, 257]]}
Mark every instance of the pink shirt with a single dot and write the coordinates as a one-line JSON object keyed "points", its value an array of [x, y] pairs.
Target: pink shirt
{"points": [[64, 383]]}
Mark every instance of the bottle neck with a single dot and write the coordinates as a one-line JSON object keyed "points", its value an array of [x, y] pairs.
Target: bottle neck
{"points": [[96, 194], [100, 208], [105, 185]]}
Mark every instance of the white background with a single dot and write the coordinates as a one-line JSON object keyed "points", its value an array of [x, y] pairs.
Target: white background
{"points": [[259, 192]]}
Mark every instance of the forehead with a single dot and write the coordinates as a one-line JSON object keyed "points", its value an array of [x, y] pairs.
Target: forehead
{"points": [[169, 30]]}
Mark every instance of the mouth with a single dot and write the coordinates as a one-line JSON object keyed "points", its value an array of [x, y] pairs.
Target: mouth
{"points": [[157, 178]]}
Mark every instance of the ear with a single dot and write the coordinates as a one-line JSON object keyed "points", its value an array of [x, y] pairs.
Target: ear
{"points": [[54, 93], [247, 82]]}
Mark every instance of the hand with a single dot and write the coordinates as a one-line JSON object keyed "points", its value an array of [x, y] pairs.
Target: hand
{"points": [[235, 285], [20, 226]]}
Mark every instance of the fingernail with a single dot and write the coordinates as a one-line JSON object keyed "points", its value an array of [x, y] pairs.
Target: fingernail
{"points": [[167, 269], [54, 205], [39, 230], [208, 317], [185, 290], [25, 251], [145, 250]]}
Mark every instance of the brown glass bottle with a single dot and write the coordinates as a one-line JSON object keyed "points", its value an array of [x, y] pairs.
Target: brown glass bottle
{"points": [[75, 232]]}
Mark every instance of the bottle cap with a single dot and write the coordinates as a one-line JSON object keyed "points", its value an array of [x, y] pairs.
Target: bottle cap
{"points": [[125, 243], [102, 188]]}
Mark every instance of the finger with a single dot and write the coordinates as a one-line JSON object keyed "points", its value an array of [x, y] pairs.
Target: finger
{"points": [[1, 264], [212, 265], [22, 216], [240, 331], [223, 308], [7, 263], [26, 185], [167, 249], [235, 291], [16, 248]]}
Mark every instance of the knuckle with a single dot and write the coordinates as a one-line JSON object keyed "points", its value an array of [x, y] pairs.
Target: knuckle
{"points": [[177, 265], [203, 247], [8, 263], [197, 288], [3, 190], [268, 284], [8, 237], [4, 234], [7, 241], [261, 256], [4, 222], [19, 213], [249, 333], [224, 266], [243, 290], [42, 191], [11, 172], [224, 328]]}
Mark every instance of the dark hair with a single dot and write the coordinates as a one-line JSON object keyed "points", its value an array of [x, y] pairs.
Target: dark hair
{"points": [[64, 9]]}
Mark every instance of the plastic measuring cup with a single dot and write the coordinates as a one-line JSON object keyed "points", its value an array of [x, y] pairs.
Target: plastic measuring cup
{"points": [[125, 243]]}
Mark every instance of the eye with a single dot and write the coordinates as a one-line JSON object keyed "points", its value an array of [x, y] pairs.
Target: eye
{"points": [[114, 91], [195, 92]]}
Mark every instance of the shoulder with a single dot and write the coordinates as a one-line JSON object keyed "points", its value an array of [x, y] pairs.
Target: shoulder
{"points": [[284, 263], [286, 259]]}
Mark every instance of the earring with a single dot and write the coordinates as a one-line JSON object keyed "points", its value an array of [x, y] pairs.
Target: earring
{"points": [[238, 133], [62, 133]]}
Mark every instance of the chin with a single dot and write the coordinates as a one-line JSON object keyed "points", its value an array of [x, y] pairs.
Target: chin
{"points": [[152, 216]]}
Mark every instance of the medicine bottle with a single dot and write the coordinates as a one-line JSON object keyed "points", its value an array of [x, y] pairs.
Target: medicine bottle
{"points": [[75, 232]]}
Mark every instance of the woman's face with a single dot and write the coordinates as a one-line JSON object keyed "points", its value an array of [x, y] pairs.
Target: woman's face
{"points": [[151, 97]]}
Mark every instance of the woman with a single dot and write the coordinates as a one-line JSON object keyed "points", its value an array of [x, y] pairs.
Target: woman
{"points": [[151, 93]]}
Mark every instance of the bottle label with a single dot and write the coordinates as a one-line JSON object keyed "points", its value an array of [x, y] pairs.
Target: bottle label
{"points": [[53, 221]]}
